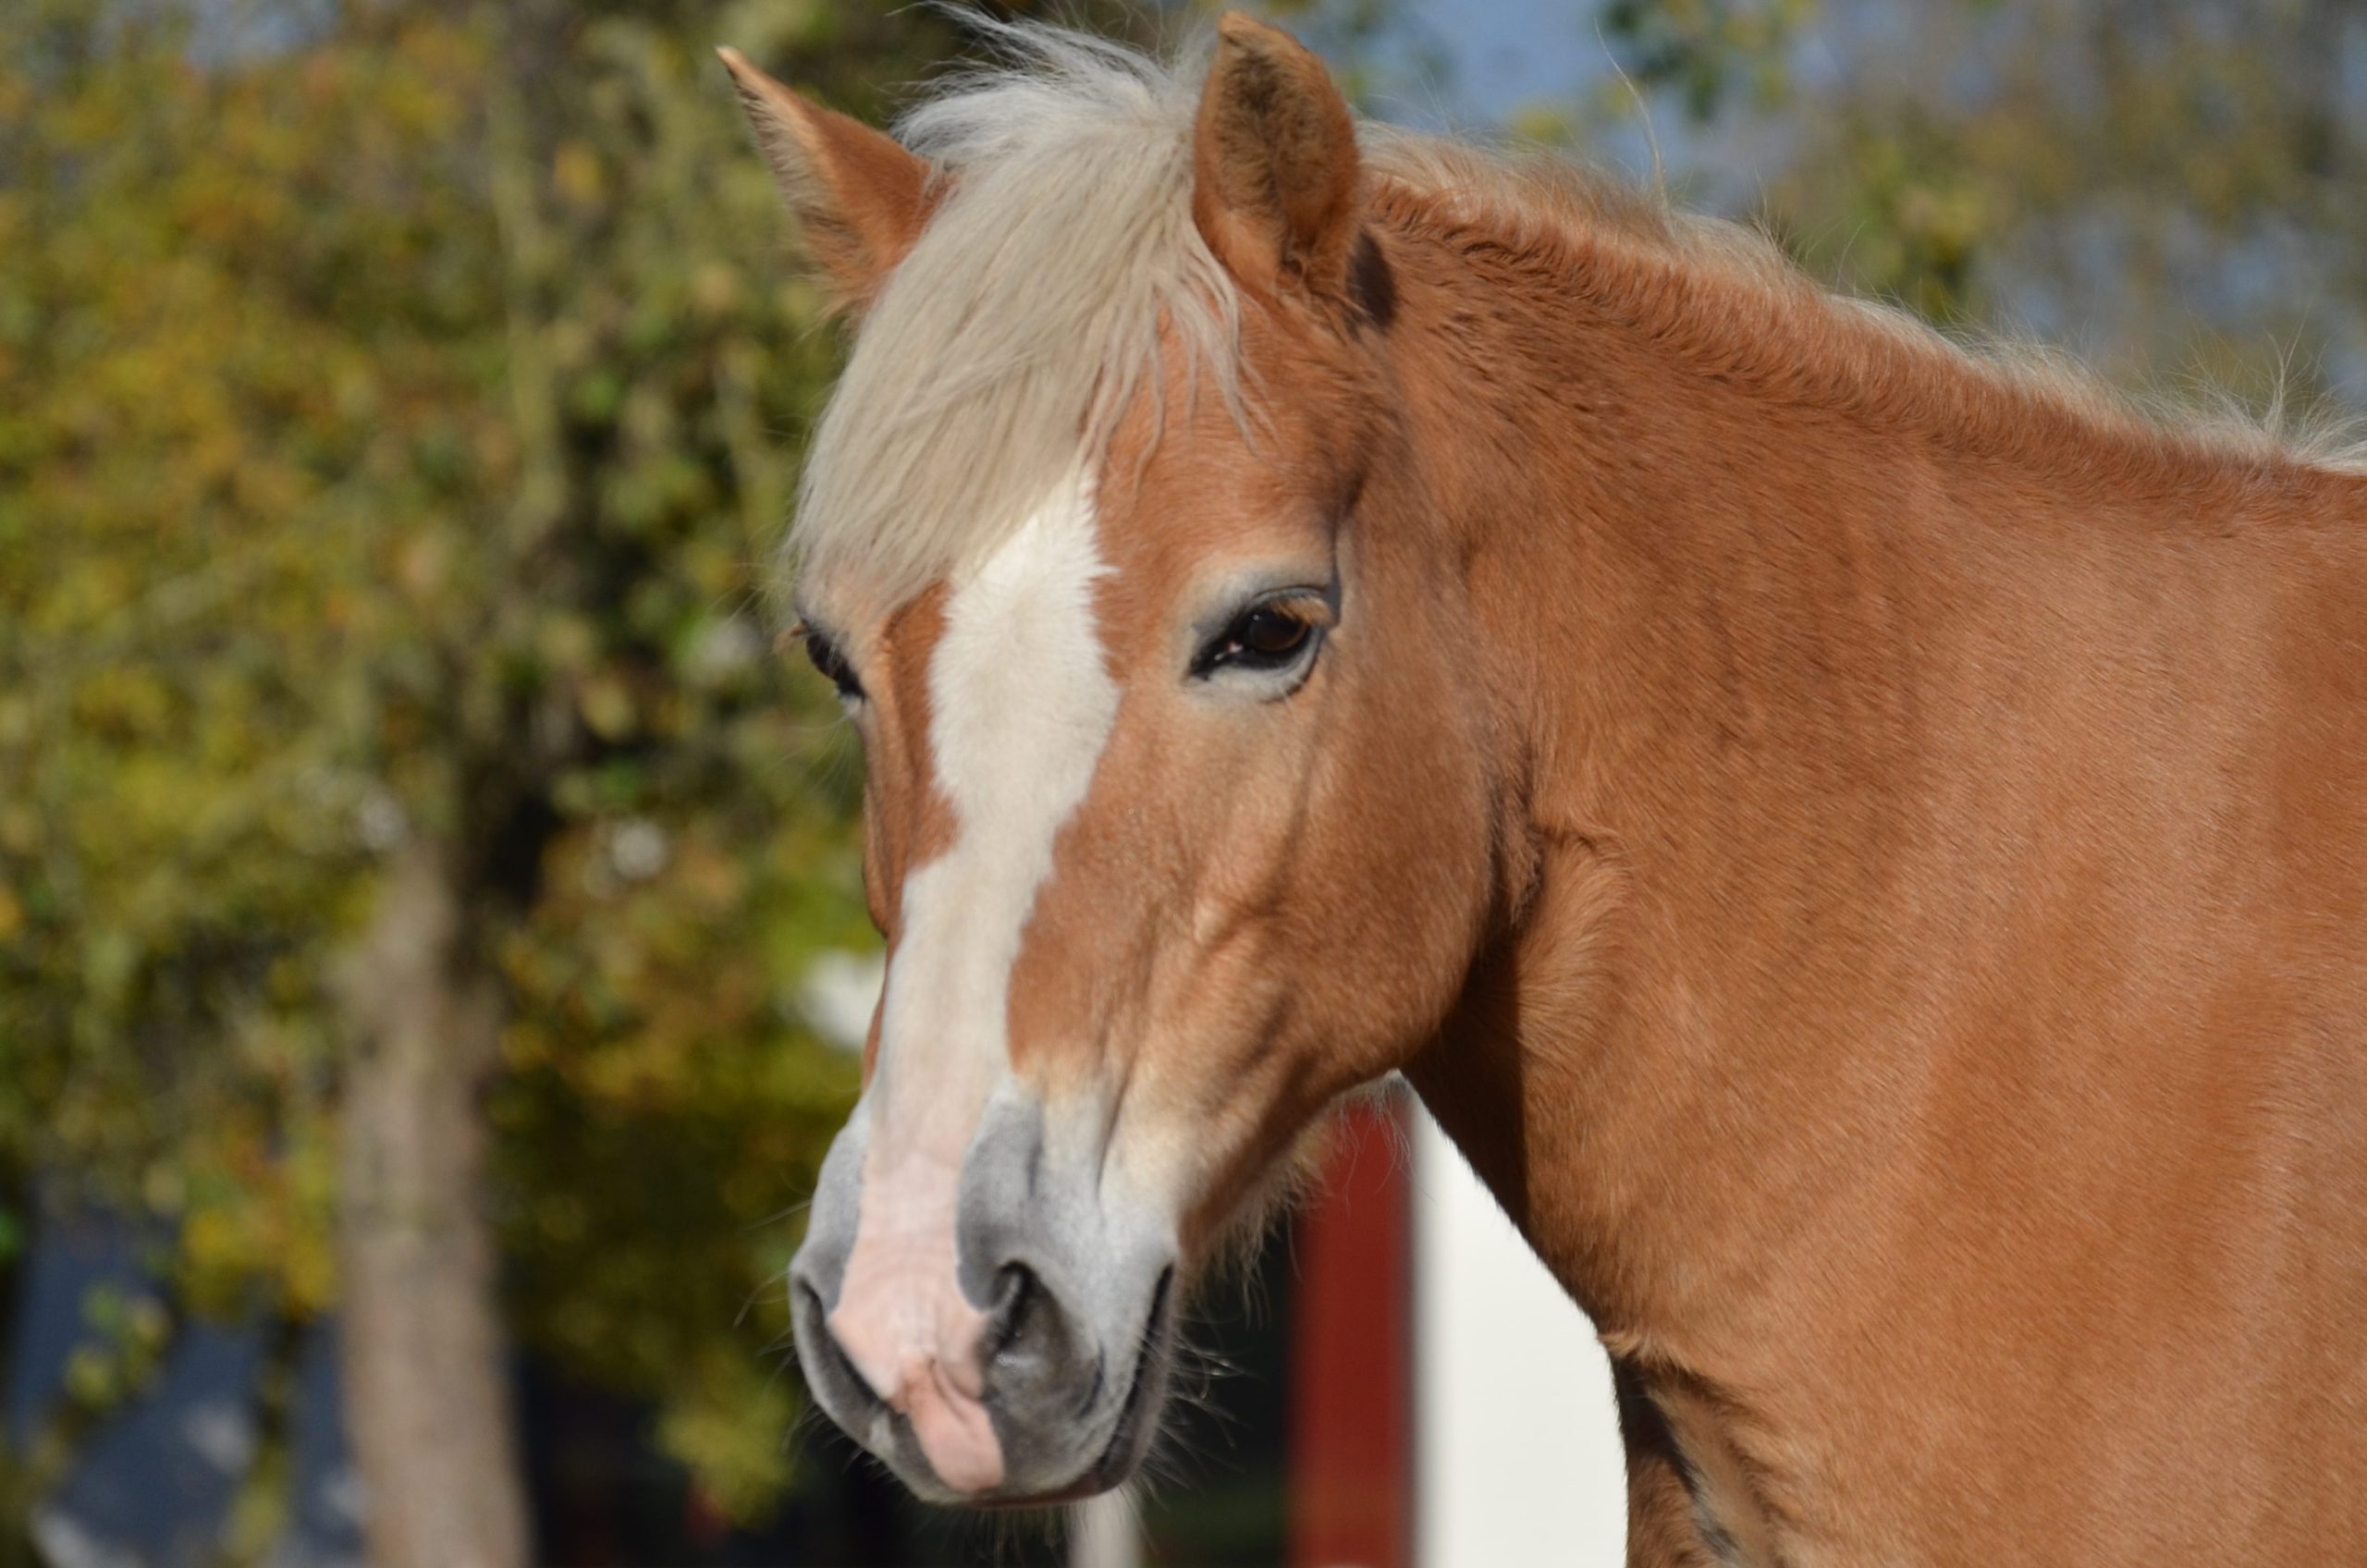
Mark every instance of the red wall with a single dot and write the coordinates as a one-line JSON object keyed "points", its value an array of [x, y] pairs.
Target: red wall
{"points": [[1352, 1355]]}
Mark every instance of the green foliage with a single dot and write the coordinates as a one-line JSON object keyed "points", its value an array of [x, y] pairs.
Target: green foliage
{"points": [[2162, 187], [397, 404], [1705, 49], [1907, 221]]}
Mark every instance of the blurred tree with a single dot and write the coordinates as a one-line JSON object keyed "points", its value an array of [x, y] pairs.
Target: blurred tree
{"points": [[2161, 185], [1704, 49], [410, 845]]}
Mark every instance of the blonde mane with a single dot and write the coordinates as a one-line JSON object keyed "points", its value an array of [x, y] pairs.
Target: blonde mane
{"points": [[1028, 314], [1031, 311]]}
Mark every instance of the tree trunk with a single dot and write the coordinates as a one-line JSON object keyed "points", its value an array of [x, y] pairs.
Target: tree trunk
{"points": [[427, 1382]]}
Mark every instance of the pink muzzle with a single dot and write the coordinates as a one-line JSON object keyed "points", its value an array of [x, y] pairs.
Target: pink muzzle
{"points": [[903, 1322]]}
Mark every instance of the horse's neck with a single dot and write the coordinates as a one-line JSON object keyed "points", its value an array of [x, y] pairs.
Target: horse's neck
{"points": [[1755, 646]]}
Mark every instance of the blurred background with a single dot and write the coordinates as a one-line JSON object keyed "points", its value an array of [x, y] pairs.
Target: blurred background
{"points": [[429, 923]]}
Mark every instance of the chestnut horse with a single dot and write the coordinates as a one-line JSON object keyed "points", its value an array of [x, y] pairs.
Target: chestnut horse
{"points": [[1863, 845]]}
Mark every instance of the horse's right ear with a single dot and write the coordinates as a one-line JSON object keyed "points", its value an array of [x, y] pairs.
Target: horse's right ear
{"points": [[858, 196], [1276, 188]]}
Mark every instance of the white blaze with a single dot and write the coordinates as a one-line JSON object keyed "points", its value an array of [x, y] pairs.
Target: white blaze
{"points": [[1022, 705]]}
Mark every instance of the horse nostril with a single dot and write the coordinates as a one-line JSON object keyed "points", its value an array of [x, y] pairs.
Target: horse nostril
{"points": [[1018, 1295], [1031, 1344]]}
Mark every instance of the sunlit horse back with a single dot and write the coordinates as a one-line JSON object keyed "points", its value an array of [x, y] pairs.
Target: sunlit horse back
{"points": [[1863, 846]]}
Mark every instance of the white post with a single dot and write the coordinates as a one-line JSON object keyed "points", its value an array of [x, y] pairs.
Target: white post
{"points": [[1103, 1532], [1516, 1442]]}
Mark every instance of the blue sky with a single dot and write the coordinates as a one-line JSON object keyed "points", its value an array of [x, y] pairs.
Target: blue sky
{"points": [[1507, 52]]}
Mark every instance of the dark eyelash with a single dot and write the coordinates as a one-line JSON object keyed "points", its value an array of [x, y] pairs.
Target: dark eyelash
{"points": [[826, 657]]}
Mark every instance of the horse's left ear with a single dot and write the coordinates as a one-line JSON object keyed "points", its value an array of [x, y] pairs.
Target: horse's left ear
{"points": [[1275, 187], [860, 196]]}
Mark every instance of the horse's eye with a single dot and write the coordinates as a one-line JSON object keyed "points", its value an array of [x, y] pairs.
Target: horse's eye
{"points": [[833, 666], [1263, 637], [1271, 634]]}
